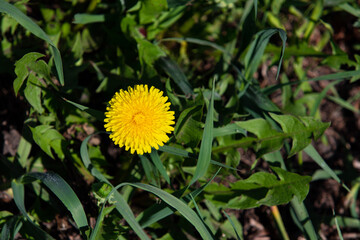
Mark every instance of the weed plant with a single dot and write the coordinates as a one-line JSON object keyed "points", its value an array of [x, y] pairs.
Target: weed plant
{"points": [[247, 115]]}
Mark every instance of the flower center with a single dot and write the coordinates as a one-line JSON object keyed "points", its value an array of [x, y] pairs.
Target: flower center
{"points": [[139, 118]]}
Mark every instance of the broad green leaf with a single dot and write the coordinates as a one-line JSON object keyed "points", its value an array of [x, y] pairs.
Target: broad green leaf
{"points": [[32, 93], [48, 138], [298, 210], [261, 188], [21, 69], [23, 151], [41, 68], [269, 139], [149, 52], [31, 26], [300, 130], [150, 9]]}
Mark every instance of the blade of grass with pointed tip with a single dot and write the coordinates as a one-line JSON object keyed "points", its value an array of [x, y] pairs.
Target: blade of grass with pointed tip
{"points": [[206, 142], [150, 171], [344, 104], [31, 26], [121, 205], [257, 48], [95, 113], [65, 193], [311, 151], [321, 96], [233, 225], [159, 165], [333, 76], [337, 226], [174, 71], [84, 153], [199, 42]]}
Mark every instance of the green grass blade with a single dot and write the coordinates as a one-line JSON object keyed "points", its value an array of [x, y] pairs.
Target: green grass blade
{"points": [[176, 151], [123, 208], [31, 26], [304, 219], [65, 193], [311, 151], [84, 153], [199, 42], [19, 197], [150, 171], [233, 225], [321, 96], [333, 76], [95, 113], [176, 203], [344, 104], [206, 143], [174, 71], [337, 226], [159, 165], [257, 48], [85, 18], [11, 228]]}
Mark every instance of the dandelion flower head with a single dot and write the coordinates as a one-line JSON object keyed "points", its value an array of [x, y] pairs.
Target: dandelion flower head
{"points": [[139, 119]]}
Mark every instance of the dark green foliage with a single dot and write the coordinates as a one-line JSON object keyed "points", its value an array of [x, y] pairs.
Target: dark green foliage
{"points": [[235, 74]]}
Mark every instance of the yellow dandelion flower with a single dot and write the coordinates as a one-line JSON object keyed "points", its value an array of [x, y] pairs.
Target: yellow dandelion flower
{"points": [[139, 119]]}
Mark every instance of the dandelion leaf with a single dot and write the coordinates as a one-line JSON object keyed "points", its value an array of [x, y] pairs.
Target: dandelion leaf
{"points": [[261, 188], [21, 69], [48, 138], [268, 139], [300, 130]]}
